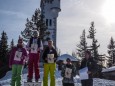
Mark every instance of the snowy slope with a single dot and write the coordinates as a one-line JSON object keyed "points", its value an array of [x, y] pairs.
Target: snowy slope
{"points": [[97, 82]]}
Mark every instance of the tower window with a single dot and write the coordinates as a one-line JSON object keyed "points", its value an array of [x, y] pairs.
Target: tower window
{"points": [[48, 1], [50, 23], [46, 22]]}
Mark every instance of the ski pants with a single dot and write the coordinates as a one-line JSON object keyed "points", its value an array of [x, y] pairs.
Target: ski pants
{"points": [[88, 82], [16, 75], [33, 65], [49, 68], [68, 84]]}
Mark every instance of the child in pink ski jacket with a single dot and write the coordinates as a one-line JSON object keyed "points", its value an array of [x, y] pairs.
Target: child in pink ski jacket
{"points": [[17, 57]]}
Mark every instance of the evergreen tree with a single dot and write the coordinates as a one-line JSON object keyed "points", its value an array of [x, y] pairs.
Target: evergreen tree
{"points": [[12, 44], [81, 48], [4, 48], [111, 52], [27, 33], [94, 46], [36, 23]]}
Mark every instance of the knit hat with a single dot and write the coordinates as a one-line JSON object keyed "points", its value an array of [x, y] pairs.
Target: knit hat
{"points": [[68, 60]]}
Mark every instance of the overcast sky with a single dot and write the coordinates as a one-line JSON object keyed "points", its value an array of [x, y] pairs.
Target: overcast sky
{"points": [[75, 16]]}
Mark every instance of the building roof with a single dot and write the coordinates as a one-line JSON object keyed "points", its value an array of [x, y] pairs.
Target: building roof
{"points": [[65, 56], [109, 69]]}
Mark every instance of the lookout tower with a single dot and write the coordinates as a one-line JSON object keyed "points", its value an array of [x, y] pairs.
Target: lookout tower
{"points": [[50, 10]]}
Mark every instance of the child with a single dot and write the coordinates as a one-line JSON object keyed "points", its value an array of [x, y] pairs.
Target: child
{"points": [[91, 64], [68, 72], [16, 62], [49, 57], [34, 46]]}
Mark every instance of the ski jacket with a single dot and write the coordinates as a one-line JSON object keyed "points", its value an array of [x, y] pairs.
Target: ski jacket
{"points": [[39, 43], [13, 53], [49, 51], [73, 73], [91, 64]]}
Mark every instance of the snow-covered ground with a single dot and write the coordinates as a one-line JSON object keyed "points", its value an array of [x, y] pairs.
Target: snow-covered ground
{"points": [[6, 80], [97, 82]]}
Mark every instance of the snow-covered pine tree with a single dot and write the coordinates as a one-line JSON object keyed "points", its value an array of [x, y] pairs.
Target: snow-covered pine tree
{"points": [[36, 23], [111, 52], [94, 46], [81, 48], [27, 33]]}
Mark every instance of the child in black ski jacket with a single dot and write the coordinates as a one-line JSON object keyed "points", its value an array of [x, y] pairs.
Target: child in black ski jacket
{"points": [[91, 64], [68, 72]]}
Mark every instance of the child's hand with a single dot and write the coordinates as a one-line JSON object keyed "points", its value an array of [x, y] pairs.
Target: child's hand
{"points": [[46, 58], [26, 62], [26, 58], [28, 49], [38, 49], [10, 66], [89, 72]]}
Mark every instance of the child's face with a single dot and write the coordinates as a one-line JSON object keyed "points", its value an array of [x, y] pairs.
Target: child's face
{"points": [[87, 56], [50, 43], [68, 62], [20, 43]]}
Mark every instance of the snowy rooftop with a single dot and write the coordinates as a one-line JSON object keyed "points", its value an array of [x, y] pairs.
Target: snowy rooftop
{"points": [[109, 69], [65, 56]]}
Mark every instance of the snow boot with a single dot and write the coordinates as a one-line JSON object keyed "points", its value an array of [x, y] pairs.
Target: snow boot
{"points": [[36, 80], [29, 80]]}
